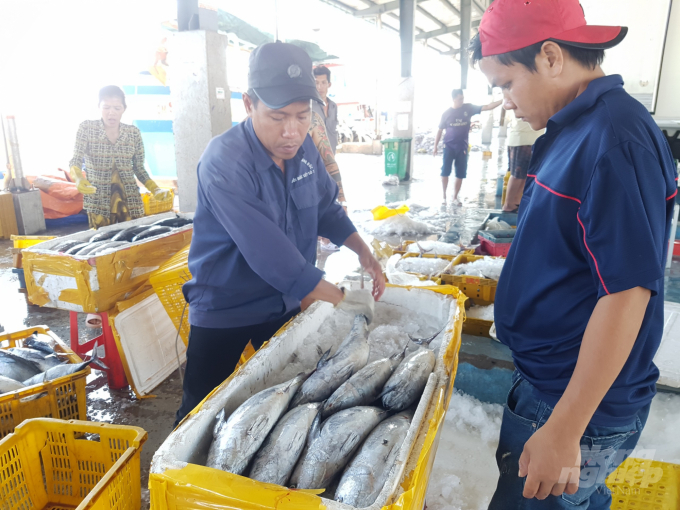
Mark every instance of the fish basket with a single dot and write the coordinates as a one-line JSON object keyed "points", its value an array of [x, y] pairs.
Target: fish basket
{"points": [[153, 206], [179, 479], [424, 255], [76, 465], [167, 282], [62, 398], [481, 291], [27, 241], [645, 484]]}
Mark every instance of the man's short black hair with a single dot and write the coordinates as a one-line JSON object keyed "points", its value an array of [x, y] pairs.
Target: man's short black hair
{"points": [[588, 58], [321, 70], [456, 93], [110, 92]]}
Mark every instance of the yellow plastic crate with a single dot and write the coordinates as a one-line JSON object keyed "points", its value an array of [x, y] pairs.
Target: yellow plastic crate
{"points": [[640, 484], [167, 282], [64, 398], [26, 241], [75, 465], [482, 291], [153, 206]]}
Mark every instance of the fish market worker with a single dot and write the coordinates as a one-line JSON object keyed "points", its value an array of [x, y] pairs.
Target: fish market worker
{"points": [[264, 197], [580, 301]]}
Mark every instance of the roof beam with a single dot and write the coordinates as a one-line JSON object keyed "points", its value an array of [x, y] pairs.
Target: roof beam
{"points": [[340, 5], [452, 52], [429, 16], [374, 10], [477, 7], [450, 7], [444, 31]]}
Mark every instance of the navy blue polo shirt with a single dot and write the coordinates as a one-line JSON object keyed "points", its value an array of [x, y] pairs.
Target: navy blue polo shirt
{"points": [[594, 220], [253, 249]]}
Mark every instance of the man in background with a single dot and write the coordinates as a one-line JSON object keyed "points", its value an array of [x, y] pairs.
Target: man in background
{"points": [[329, 110], [521, 140], [456, 122]]}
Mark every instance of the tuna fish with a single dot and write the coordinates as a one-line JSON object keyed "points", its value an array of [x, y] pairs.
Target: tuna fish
{"points": [[16, 368], [87, 250], [408, 381], [42, 360], [63, 247], [151, 232], [7, 384], [333, 445], [332, 371], [64, 369], [42, 343], [364, 387], [109, 245], [129, 233], [75, 249], [367, 472], [281, 450], [175, 222], [105, 235], [237, 439]]}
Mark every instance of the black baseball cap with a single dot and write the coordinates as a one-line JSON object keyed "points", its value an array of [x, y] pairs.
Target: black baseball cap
{"points": [[281, 74]]}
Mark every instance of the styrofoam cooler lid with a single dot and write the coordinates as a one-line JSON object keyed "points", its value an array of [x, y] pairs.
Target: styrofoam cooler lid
{"points": [[667, 358], [147, 337]]}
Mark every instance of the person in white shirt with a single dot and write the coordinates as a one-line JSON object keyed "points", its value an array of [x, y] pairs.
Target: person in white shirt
{"points": [[521, 139]]}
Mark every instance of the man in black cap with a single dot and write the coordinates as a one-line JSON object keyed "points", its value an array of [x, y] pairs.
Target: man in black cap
{"points": [[264, 196]]}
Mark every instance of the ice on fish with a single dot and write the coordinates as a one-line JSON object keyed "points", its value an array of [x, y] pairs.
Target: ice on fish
{"points": [[402, 225], [433, 248], [488, 267], [397, 276], [480, 312], [426, 266], [498, 224]]}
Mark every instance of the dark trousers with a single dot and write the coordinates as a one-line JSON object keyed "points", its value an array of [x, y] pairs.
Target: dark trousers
{"points": [[212, 356], [603, 449]]}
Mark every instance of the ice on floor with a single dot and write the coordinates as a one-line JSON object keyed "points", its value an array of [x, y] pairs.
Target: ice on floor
{"points": [[426, 266], [388, 334], [464, 474], [487, 267], [480, 312], [433, 248], [401, 225]]}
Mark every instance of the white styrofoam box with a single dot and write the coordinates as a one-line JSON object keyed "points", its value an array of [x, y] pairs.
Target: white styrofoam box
{"points": [[667, 358], [189, 443], [150, 344]]}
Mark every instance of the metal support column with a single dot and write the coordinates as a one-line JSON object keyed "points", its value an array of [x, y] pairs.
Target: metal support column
{"points": [[407, 29], [403, 120], [465, 23]]}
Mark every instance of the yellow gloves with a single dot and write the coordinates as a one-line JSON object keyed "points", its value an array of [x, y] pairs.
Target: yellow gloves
{"points": [[158, 193], [82, 183]]}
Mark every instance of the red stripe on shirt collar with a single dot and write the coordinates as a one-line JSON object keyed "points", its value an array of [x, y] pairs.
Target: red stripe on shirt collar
{"points": [[552, 190]]}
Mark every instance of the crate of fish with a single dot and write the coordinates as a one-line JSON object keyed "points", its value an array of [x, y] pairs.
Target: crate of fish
{"points": [[50, 464], [153, 206], [91, 271], [475, 275], [478, 319], [496, 242], [40, 376], [167, 282], [329, 400], [430, 249]]}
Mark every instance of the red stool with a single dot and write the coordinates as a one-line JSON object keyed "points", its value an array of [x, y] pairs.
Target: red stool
{"points": [[114, 373]]}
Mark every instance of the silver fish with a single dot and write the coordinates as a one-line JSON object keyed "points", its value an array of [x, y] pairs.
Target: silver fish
{"points": [[331, 448], [332, 371], [64, 369], [367, 472], [42, 343], [92, 247], [7, 384], [408, 381], [42, 360], [16, 368], [237, 439], [108, 245], [364, 387], [281, 450]]}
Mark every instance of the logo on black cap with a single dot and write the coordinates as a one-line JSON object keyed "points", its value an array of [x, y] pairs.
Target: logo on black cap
{"points": [[294, 71]]}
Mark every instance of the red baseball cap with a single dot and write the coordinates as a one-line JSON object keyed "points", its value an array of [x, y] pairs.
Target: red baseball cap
{"points": [[509, 25]]}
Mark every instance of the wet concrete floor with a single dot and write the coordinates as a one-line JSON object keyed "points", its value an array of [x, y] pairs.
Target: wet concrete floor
{"points": [[363, 181]]}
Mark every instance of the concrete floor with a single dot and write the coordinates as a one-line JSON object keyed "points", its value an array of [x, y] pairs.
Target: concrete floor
{"points": [[362, 178]]}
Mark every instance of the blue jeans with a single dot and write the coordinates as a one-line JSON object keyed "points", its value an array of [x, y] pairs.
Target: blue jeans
{"points": [[603, 449]]}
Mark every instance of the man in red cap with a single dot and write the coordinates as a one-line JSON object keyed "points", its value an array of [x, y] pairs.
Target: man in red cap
{"points": [[580, 299]]}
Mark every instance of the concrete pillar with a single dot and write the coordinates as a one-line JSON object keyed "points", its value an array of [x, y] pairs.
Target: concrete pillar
{"points": [[201, 103], [465, 23], [403, 119]]}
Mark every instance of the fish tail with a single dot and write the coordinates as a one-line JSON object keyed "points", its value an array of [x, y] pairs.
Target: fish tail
{"points": [[95, 358], [425, 341]]}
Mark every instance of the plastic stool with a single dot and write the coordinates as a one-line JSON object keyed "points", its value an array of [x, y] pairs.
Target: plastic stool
{"points": [[114, 373]]}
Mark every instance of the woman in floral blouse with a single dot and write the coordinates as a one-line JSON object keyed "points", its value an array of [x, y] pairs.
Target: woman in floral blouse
{"points": [[112, 154]]}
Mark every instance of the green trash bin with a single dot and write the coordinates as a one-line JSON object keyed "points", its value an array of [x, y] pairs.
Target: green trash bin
{"points": [[397, 155]]}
